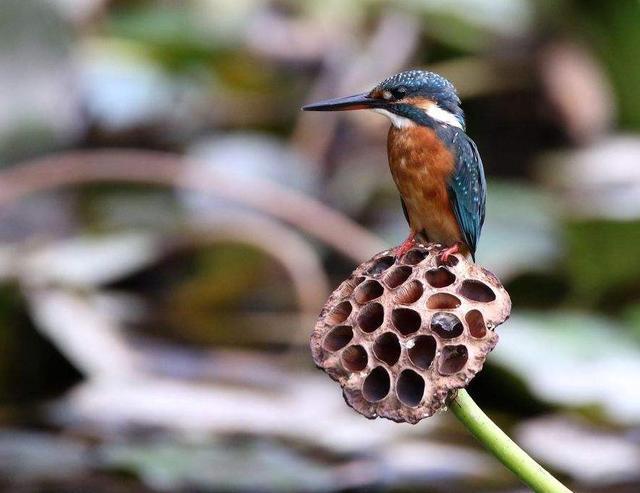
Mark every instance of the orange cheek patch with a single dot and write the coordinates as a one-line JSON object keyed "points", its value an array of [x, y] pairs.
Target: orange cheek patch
{"points": [[420, 102]]}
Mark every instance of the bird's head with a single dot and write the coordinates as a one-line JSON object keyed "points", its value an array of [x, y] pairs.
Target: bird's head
{"points": [[414, 97]]}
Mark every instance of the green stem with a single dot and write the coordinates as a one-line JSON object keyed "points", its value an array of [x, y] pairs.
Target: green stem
{"points": [[500, 445]]}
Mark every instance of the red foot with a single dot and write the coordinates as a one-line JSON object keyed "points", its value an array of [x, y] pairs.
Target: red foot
{"points": [[445, 254], [407, 245]]}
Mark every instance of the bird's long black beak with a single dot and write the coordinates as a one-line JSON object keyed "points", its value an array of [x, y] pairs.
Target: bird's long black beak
{"points": [[357, 102]]}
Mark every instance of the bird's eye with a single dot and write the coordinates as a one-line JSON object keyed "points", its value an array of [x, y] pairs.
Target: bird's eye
{"points": [[394, 94], [399, 93]]}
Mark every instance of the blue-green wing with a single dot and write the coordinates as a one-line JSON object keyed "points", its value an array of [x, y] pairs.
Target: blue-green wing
{"points": [[468, 189]]}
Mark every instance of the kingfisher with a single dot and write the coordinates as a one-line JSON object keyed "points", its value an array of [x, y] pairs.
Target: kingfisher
{"points": [[434, 164]]}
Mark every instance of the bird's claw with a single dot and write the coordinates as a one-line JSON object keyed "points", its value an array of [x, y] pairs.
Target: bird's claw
{"points": [[444, 255], [407, 245]]}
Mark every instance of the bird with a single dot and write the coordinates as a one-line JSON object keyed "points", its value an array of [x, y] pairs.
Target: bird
{"points": [[435, 165]]}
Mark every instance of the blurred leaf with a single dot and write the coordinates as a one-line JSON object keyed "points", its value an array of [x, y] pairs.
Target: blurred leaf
{"points": [[221, 276], [599, 258], [247, 154], [498, 388], [91, 261], [38, 112], [220, 466], [170, 32], [205, 306], [473, 25], [522, 232], [542, 291], [587, 189], [614, 30], [574, 447], [574, 359], [40, 456], [632, 316]]}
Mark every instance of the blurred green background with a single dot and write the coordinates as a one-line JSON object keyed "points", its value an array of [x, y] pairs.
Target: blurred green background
{"points": [[171, 224]]}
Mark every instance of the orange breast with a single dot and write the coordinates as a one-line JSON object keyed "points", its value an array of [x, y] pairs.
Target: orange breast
{"points": [[421, 165]]}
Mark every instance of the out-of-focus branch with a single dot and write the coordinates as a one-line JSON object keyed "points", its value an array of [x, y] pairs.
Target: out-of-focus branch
{"points": [[295, 255], [147, 167], [90, 340]]}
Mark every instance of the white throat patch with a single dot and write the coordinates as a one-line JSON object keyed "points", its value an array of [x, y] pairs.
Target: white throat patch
{"points": [[396, 120], [432, 110]]}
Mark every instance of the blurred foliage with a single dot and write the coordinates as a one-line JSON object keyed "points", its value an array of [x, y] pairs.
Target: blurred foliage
{"points": [[601, 269], [613, 29]]}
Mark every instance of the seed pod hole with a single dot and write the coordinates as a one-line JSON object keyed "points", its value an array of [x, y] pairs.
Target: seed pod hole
{"points": [[406, 320], [409, 293], [475, 321], [367, 291], [477, 291], [371, 317], [397, 276], [452, 261], [422, 351], [354, 358], [387, 348], [414, 257], [446, 325], [453, 359], [351, 284], [338, 338], [377, 385], [410, 388], [440, 277], [443, 301], [381, 265], [358, 280], [340, 313]]}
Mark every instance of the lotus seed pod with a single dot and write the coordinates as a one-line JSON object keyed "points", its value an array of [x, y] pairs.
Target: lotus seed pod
{"points": [[401, 334]]}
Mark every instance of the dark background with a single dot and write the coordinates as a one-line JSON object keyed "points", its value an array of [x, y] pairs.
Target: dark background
{"points": [[154, 317]]}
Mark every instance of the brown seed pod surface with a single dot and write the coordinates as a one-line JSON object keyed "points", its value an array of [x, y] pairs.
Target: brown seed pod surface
{"points": [[402, 333]]}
